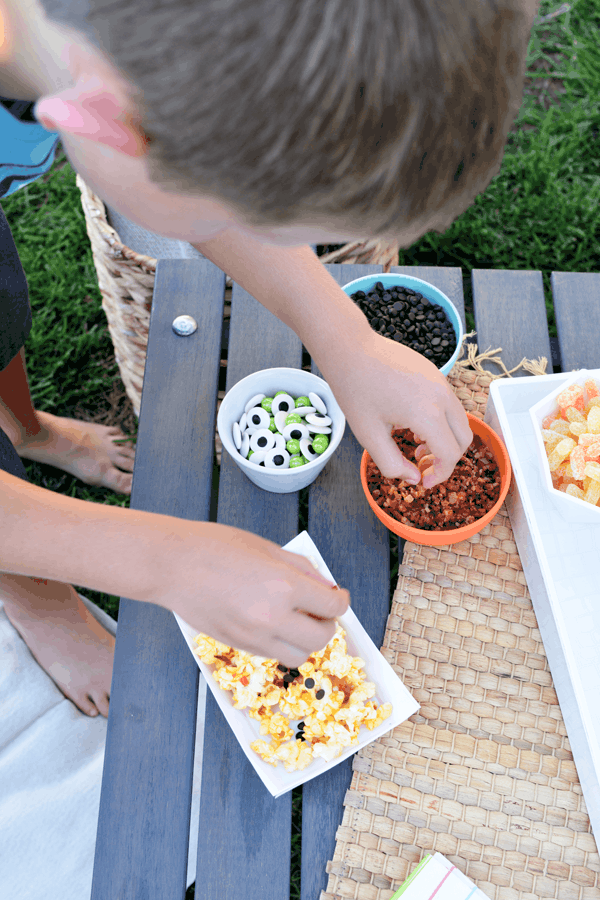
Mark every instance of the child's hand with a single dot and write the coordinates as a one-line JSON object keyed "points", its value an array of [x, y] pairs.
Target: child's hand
{"points": [[384, 384], [248, 593]]}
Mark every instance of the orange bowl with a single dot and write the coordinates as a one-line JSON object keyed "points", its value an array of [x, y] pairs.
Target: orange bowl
{"points": [[454, 535]]}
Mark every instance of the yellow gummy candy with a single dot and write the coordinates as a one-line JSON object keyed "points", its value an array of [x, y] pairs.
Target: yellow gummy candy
{"points": [[578, 428], [573, 415], [593, 420], [592, 470], [551, 438], [592, 494], [560, 452], [573, 491], [594, 401], [561, 426]]}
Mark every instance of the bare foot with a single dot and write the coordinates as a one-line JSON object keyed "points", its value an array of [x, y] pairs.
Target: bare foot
{"points": [[64, 638], [83, 449]]}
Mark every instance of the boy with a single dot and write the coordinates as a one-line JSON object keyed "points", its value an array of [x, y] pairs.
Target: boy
{"points": [[249, 129]]}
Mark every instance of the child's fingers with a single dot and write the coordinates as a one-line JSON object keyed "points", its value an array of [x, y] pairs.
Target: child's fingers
{"points": [[384, 452], [445, 449]]}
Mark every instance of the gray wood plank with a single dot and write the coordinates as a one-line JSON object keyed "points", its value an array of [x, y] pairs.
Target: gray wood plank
{"points": [[143, 825], [510, 313], [355, 546], [245, 835], [577, 309]]}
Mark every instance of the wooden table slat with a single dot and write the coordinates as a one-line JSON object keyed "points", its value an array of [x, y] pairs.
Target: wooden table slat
{"points": [[510, 313], [355, 546], [234, 801], [144, 817], [577, 309]]}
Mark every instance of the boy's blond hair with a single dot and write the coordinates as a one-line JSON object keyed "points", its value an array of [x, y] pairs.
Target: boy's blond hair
{"points": [[380, 114]]}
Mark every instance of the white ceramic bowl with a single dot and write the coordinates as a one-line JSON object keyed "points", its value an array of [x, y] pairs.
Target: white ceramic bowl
{"points": [[389, 279], [572, 508], [296, 382]]}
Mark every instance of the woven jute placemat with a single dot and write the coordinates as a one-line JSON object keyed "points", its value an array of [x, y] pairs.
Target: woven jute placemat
{"points": [[483, 773]]}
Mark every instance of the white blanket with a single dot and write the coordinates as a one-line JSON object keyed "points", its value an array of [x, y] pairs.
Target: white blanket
{"points": [[51, 758]]}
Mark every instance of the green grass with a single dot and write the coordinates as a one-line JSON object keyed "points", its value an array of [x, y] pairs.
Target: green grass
{"points": [[542, 211]]}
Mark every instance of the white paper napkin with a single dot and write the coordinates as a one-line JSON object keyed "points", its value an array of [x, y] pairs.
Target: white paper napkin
{"points": [[435, 878]]}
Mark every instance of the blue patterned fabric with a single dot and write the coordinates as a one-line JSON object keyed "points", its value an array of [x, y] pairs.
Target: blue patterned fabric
{"points": [[26, 149]]}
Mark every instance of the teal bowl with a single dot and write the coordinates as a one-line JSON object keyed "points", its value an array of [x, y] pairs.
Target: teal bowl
{"points": [[433, 294]]}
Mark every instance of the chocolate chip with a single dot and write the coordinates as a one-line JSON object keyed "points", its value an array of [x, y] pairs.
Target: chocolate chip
{"points": [[309, 683], [288, 677], [282, 668], [320, 694]]}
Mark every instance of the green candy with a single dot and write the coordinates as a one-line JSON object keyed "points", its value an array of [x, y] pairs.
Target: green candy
{"points": [[278, 393], [320, 443], [296, 461], [293, 419], [250, 454], [293, 447], [266, 403], [272, 426], [303, 401]]}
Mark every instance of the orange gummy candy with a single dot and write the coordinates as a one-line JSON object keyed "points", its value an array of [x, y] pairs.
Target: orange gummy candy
{"points": [[546, 423], [571, 396], [578, 461], [592, 388], [592, 451]]}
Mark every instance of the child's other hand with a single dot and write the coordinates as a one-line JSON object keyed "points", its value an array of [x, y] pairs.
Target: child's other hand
{"points": [[385, 384], [254, 596]]}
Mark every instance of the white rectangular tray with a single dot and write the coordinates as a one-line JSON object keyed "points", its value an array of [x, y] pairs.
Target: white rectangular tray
{"points": [[390, 689], [560, 554]]}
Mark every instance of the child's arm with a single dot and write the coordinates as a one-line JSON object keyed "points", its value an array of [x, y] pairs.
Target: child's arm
{"points": [[377, 382], [232, 585]]}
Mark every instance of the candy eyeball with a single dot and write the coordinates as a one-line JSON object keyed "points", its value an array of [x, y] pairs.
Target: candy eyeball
{"points": [[282, 402], [318, 419], [263, 439], [319, 429], [307, 451], [279, 441], [253, 401], [245, 445], [243, 422], [237, 435], [258, 417], [277, 459], [295, 432], [257, 458], [304, 410], [279, 419], [317, 403]]}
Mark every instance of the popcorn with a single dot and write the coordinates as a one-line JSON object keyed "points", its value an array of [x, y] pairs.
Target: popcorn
{"points": [[572, 442], [328, 695]]}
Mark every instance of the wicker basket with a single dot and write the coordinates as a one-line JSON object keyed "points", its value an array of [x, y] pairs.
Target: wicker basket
{"points": [[126, 281]]}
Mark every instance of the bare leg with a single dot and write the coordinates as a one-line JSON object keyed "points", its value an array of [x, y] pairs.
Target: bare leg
{"points": [[83, 449], [64, 638]]}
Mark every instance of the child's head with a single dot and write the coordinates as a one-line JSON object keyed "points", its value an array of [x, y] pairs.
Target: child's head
{"points": [[368, 116]]}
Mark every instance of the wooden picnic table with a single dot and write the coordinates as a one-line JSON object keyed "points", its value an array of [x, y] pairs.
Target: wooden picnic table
{"points": [[244, 834]]}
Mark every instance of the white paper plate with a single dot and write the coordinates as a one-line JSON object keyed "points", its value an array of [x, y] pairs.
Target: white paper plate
{"points": [[390, 689]]}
